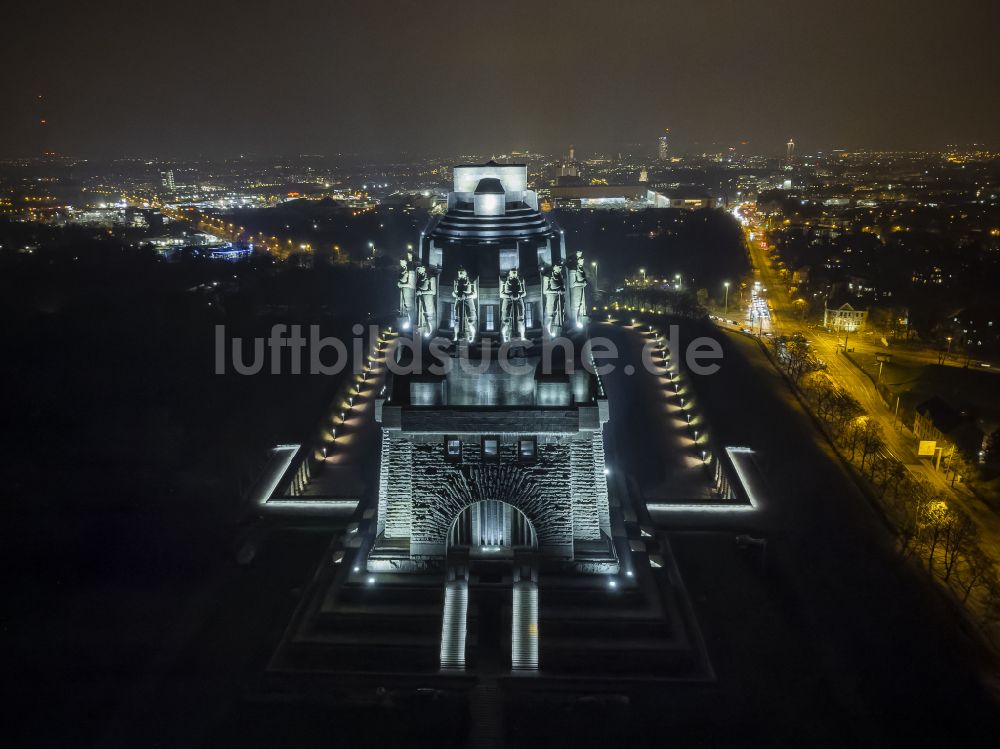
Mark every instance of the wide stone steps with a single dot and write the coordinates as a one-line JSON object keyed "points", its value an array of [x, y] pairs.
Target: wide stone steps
{"points": [[453, 625], [524, 626]]}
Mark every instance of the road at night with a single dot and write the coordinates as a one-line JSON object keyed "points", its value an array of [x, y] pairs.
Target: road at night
{"points": [[900, 441], [835, 638]]}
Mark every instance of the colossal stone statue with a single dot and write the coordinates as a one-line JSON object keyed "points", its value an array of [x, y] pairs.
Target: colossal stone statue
{"points": [[512, 294], [407, 284], [426, 292], [578, 285], [554, 292], [466, 317]]}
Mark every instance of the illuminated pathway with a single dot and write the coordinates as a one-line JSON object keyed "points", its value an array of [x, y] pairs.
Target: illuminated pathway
{"points": [[658, 405], [349, 440], [332, 472]]}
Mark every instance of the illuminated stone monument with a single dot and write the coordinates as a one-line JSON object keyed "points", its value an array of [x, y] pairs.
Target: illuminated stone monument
{"points": [[493, 545], [495, 460]]}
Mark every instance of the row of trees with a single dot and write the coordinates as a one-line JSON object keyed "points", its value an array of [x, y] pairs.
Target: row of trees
{"points": [[930, 527], [663, 301]]}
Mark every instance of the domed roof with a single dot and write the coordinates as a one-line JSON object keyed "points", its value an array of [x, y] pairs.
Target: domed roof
{"points": [[520, 221]]}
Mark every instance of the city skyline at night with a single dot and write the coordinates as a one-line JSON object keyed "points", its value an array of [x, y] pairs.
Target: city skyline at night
{"points": [[348, 78]]}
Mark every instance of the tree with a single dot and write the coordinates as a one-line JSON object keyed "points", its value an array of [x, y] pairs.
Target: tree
{"points": [[935, 519], [799, 306], [894, 477], [886, 467], [911, 506], [799, 359], [978, 568], [872, 443], [960, 468], [865, 435], [844, 409], [821, 390], [960, 537]]}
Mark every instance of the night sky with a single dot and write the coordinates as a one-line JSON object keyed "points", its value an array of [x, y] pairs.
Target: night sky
{"points": [[207, 79]]}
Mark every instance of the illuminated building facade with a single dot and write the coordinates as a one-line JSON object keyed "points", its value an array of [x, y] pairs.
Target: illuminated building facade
{"points": [[845, 318], [479, 462], [663, 146], [167, 180], [493, 546]]}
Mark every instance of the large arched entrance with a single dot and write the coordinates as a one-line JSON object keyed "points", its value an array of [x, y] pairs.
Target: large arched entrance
{"points": [[491, 528], [491, 589]]}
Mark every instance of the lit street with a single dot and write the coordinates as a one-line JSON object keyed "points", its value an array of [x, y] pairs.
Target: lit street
{"points": [[899, 439]]}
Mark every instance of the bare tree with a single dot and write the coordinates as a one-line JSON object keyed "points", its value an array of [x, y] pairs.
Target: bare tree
{"points": [[895, 477], [978, 568], [885, 468], [800, 359], [845, 409], [935, 520], [960, 468], [911, 504], [871, 441], [959, 537]]}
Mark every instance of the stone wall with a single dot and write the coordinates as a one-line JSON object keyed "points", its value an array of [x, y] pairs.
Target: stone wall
{"points": [[442, 489], [395, 486], [563, 492]]}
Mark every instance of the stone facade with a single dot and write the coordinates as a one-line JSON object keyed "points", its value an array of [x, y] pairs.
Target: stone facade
{"points": [[562, 492], [542, 416]]}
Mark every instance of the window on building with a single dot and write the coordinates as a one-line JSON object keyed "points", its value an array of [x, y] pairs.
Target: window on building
{"points": [[529, 315], [491, 448], [436, 257], [452, 448], [489, 312], [508, 260], [527, 449]]}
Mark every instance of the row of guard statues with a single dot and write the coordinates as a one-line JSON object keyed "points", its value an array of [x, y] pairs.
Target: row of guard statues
{"points": [[418, 290]]}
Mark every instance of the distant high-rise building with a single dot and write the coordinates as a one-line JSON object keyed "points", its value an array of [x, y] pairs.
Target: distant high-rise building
{"points": [[167, 178], [569, 168], [663, 148], [789, 150], [644, 175], [43, 147]]}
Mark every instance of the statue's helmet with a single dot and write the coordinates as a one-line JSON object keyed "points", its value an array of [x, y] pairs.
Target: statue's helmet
{"points": [[462, 272]]}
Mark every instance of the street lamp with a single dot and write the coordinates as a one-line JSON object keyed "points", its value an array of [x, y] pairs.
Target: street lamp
{"points": [[726, 284]]}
